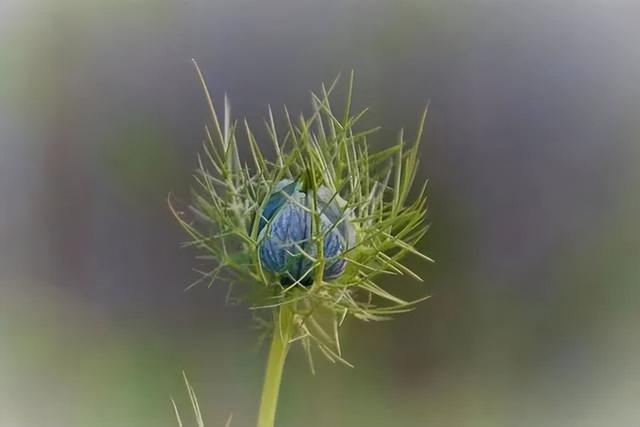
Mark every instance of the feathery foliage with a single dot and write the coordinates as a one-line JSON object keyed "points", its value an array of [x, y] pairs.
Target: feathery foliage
{"points": [[376, 190]]}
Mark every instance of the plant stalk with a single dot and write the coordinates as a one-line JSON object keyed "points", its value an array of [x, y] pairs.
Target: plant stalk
{"points": [[282, 331]]}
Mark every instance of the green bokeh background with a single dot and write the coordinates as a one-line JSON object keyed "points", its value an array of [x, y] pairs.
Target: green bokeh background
{"points": [[534, 162]]}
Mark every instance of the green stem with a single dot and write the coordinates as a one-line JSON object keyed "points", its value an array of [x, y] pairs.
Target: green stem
{"points": [[282, 330]]}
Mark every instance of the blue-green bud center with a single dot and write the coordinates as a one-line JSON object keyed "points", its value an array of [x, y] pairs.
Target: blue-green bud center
{"points": [[286, 233]]}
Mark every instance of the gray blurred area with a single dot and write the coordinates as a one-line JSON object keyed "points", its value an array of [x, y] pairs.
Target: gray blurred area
{"points": [[532, 155]]}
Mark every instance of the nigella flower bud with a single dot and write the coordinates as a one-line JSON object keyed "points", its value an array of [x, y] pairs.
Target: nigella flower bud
{"points": [[285, 233]]}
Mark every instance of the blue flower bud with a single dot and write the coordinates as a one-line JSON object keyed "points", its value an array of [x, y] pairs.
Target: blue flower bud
{"points": [[285, 232]]}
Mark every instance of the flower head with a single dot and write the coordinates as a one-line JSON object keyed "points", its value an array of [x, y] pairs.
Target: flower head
{"points": [[313, 227], [285, 234]]}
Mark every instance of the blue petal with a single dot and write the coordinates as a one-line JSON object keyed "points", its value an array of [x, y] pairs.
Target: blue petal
{"points": [[280, 250], [333, 206], [277, 200], [335, 269], [290, 229], [333, 248]]}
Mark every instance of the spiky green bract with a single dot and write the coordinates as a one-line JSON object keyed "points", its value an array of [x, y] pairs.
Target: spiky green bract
{"points": [[323, 150]]}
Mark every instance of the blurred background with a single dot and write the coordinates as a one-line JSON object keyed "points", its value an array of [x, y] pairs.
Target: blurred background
{"points": [[534, 162]]}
